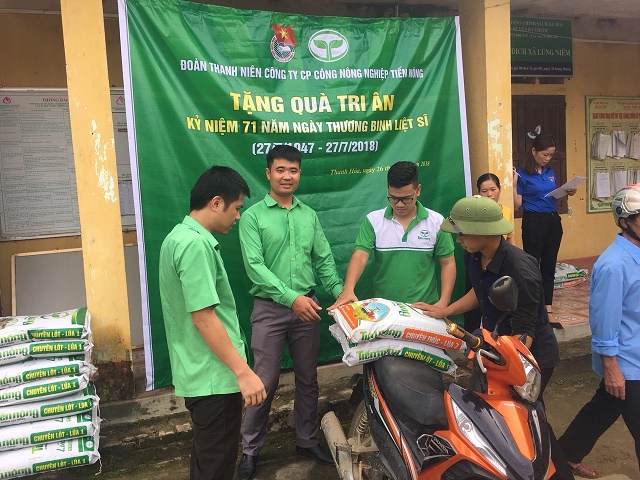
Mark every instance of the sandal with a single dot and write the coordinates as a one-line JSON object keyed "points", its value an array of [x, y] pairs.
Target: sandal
{"points": [[552, 321], [584, 471]]}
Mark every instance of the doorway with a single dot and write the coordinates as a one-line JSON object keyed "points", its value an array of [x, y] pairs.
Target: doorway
{"points": [[548, 111]]}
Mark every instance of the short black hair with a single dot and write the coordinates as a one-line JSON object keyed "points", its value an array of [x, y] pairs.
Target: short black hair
{"points": [[286, 152], [402, 174], [218, 181]]}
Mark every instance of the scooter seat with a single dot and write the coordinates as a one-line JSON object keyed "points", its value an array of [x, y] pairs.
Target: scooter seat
{"points": [[413, 388]]}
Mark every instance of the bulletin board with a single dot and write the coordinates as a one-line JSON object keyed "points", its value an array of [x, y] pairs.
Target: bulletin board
{"points": [[613, 148], [38, 195]]}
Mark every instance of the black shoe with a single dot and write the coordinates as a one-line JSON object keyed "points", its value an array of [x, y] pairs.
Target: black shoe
{"points": [[317, 453], [557, 325], [247, 466]]}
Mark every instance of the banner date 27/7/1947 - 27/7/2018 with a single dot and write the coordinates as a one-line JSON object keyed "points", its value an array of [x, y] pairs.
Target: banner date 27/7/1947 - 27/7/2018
{"points": [[354, 146]]}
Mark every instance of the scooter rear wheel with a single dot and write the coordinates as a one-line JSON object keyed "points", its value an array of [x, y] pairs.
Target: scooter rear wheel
{"points": [[371, 467], [359, 427]]}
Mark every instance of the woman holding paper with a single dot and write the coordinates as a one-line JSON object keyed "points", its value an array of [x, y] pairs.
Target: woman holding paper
{"points": [[541, 224]]}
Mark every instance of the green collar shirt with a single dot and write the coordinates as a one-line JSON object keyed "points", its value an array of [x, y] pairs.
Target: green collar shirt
{"points": [[405, 260], [193, 277], [282, 248]]}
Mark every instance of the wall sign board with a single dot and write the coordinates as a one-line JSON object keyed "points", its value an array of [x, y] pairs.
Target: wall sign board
{"points": [[38, 196], [541, 47], [613, 148]]}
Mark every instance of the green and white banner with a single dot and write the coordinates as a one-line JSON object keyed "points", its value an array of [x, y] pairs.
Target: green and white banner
{"points": [[212, 85]]}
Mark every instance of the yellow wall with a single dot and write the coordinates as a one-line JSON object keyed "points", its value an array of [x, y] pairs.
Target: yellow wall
{"points": [[485, 31], [604, 69], [33, 52], [37, 60]]}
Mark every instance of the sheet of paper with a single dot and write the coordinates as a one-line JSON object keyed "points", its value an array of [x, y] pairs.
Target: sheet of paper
{"points": [[602, 186], [620, 179], [562, 191], [125, 189], [633, 142]]}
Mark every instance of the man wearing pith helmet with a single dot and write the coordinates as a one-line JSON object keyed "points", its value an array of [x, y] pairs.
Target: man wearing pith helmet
{"points": [[479, 227]]}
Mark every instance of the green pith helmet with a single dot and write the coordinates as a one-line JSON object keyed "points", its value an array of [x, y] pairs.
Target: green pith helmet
{"points": [[477, 216], [626, 202]]}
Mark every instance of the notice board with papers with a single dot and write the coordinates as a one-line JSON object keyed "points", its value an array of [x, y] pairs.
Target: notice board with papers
{"points": [[613, 148], [38, 195]]}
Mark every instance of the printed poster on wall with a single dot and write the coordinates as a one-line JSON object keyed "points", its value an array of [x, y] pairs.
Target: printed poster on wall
{"points": [[613, 148], [215, 85]]}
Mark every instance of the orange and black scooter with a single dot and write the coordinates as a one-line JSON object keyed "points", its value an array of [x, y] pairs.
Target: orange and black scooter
{"points": [[409, 427]]}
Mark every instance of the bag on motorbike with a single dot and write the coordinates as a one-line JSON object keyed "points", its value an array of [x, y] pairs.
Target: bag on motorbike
{"points": [[367, 320], [356, 354]]}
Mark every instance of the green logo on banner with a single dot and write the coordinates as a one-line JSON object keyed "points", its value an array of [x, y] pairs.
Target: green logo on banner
{"points": [[328, 45]]}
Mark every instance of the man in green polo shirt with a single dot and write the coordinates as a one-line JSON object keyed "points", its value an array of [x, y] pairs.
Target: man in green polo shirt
{"points": [[282, 246], [206, 350], [406, 242]]}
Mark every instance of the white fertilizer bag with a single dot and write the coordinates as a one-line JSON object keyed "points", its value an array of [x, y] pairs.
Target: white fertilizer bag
{"points": [[47, 388], [356, 354], [78, 402], [567, 275], [366, 320], [49, 456], [55, 430], [41, 368], [62, 348], [67, 325]]}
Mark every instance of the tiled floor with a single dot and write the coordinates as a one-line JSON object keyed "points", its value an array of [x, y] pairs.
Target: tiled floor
{"points": [[571, 304]]}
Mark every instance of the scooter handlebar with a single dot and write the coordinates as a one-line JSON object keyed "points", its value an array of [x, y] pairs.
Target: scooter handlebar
{"points": [[459, 332]]}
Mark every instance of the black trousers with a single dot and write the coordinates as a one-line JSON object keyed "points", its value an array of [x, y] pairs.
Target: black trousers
{"points": [[216, 434], [541, 237], [597, 416]]}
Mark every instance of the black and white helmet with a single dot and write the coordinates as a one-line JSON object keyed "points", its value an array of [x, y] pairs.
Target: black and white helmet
{"points": [[626, 202]]}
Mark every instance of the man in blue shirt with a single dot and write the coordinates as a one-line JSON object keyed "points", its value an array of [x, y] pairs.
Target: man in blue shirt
{"points": [[614, 316]]}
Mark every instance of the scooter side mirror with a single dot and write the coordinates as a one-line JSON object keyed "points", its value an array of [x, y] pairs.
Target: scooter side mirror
{"points": [[504, 294]]}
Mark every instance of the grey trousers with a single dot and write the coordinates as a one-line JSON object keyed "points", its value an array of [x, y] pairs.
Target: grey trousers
{"points": [[272, 325]]}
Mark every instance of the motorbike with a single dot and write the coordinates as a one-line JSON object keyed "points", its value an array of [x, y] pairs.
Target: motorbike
{"points": [[408, 426]]}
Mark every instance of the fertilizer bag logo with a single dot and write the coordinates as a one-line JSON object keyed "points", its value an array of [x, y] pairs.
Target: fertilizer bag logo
{"points": [[283, 43], [371, 311], [328, 45]]}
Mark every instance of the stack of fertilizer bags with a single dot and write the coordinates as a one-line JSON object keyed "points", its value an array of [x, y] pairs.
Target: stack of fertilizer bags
{"points": [[370, 329], [48, 405]]}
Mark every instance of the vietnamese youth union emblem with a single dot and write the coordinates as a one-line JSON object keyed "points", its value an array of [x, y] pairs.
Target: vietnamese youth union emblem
{"points": [[283, 43]]}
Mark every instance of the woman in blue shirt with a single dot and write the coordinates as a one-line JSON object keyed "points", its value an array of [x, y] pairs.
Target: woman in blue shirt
{"points": [[541, 225]]}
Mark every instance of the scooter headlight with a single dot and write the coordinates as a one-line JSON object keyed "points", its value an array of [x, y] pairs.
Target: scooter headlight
{"points": [[474, 435], [531, 388]]}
